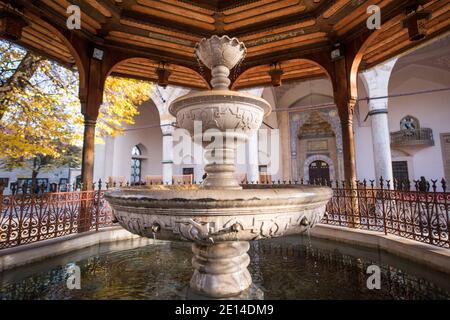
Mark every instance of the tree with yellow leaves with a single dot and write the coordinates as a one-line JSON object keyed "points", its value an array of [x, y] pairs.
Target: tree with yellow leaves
{"points": [[120, 104], [40, 120]]}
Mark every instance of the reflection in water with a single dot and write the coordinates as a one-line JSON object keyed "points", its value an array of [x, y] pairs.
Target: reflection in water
{"points": [[289, 268], [295, 271]]}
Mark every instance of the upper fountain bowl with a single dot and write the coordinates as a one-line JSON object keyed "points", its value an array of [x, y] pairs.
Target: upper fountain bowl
{"points": [[220, 51]]}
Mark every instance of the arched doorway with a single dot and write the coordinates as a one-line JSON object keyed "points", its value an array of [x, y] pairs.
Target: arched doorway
{"points": [[319, 172], [316, 141], [322, 158]]}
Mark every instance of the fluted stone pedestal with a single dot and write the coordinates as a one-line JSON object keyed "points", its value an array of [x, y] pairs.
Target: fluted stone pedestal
{"points": [[251, 293], [221, 269]]}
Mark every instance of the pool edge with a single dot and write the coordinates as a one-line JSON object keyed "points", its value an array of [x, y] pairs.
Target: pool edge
{"points": [[11, 258]]}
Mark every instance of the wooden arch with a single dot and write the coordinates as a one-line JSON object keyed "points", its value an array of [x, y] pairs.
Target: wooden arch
{"points": [[47, 40], [293, 69], [145, 69]]}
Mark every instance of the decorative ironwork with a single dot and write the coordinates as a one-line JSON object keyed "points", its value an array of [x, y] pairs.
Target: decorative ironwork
{"points": [[416, 215], [412, 137], [28, 217], [398, 208]]}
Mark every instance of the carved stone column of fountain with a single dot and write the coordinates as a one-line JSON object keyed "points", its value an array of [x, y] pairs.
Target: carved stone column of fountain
{"points": [[221, 269], [229, 118], [215, 216]]}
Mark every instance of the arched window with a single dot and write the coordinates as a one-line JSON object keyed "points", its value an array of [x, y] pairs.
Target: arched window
{"points": [[136, 165], [409, 123]]}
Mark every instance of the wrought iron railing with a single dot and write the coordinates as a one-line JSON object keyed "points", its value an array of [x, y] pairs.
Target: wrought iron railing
{"points": [[422, 216], [416, 215], [421, 136], [27, 217]]}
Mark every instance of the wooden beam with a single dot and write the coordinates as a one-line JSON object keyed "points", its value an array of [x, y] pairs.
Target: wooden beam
{"points": [[165, 24]]}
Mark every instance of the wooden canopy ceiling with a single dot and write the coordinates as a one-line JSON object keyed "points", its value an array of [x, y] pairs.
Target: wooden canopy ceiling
{"points": [[145, 69], [273, 30], [294, 69]]}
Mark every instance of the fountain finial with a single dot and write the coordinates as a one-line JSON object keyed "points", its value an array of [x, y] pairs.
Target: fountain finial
{"points": [[220, 54]]}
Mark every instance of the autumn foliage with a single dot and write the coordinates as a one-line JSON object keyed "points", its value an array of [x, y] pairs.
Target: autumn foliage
{"points": [[40, 115]]}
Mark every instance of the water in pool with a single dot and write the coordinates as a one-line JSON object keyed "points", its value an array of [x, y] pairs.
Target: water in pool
{"points": [[287, 268]]}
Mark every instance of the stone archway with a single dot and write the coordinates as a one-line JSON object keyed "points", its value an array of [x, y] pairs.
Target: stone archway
{"points": [[329, 117], [318, 157]]}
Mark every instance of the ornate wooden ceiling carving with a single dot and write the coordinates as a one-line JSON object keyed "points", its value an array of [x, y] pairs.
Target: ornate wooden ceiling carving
{"points": [[273, 30]]}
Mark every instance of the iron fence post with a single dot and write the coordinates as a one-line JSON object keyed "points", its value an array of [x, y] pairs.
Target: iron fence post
{"points": [[384, 213], [2, 189], [446, 210], [99, 200]]}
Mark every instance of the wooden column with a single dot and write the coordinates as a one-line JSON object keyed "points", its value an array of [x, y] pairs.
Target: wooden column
{"points": [[348, 144], [87, 167], [91, 97], [345, 104]]}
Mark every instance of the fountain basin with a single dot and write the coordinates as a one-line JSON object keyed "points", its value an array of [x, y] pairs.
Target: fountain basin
{"points": [[220, 109], [219, 223], [226, 118], [292, 268], [191, 213]]}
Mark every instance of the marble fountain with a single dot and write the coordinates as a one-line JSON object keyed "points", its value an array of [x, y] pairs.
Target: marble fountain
{"points": [[219, 216]]}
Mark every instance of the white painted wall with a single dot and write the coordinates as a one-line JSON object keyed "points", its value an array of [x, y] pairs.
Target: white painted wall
{"points": [[275, 166], [432, 110], [145, 132], [297, 91]]}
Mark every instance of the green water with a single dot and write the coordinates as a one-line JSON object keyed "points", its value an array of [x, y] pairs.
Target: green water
{"points": [[287, 268]]}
